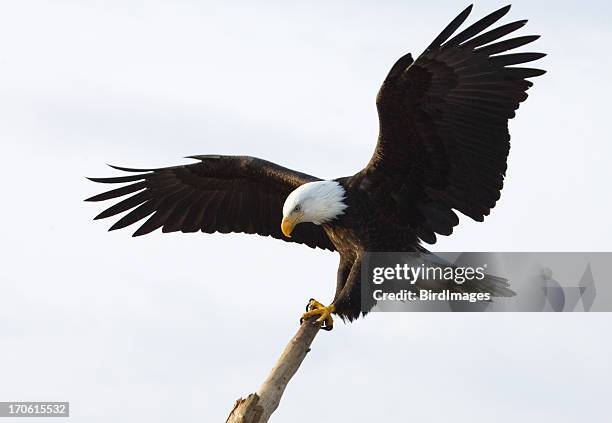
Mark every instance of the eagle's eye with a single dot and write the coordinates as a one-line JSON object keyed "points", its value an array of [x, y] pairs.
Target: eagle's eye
{"points": [[297, 208]]}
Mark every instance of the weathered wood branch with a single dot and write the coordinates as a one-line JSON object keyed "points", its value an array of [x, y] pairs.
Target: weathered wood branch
{"points": [[259, 406]]}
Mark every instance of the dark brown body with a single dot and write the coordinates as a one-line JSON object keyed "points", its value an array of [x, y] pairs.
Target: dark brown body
{"points": [[363, 227]]}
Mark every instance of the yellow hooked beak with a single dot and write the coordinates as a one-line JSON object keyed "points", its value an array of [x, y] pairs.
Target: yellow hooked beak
{"points": [[288, 224]]}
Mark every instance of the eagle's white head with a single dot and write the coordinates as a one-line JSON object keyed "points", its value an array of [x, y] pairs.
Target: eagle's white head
{"points": [[316, 202]]}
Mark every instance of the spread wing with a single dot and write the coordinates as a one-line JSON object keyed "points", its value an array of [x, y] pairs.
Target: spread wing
{"points": [[216, 194], [444, 138]]}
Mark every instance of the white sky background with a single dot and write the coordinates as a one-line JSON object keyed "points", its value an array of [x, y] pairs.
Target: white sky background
{"points": [[176, 327]]}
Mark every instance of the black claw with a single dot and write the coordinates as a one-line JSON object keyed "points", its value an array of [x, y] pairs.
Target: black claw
{"points": [[308, 304]]}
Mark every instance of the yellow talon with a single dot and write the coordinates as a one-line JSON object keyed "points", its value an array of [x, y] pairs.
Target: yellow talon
{"points": [[315, 308]]}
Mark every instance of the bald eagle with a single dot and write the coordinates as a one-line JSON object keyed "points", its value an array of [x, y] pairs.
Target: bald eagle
{"points": [[442, 149]]}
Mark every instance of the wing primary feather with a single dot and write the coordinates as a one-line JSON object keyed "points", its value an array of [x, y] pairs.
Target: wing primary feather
{"points": [[450, 28], [118, 179], [164, 208], [156, 220], [506, 45], [119, 192], [515, 58], [477, 27], [129, 169], [523, 73], [175, 220], [126, 204], [494, 34], [135, 215]]}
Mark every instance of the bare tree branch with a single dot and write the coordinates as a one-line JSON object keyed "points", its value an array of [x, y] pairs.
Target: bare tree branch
{"points": [[258, 407]]}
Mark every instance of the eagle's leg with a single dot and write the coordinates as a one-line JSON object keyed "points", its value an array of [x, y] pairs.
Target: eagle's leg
{"points": [[315, 308]]}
